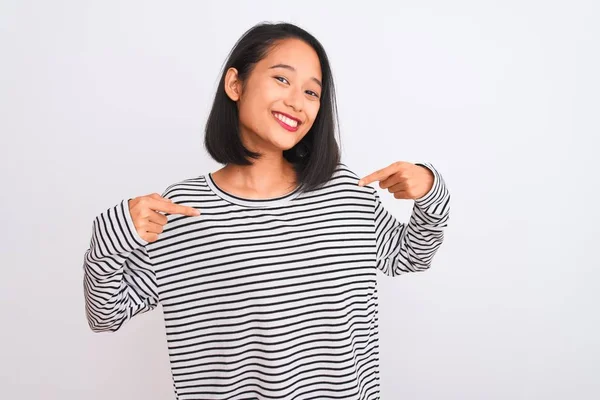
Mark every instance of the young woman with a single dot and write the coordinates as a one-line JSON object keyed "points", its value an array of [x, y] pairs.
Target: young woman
{"points": [[266, 268]]}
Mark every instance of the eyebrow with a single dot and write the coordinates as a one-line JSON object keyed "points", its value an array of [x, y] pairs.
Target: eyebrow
{"points": [[294, 69]]}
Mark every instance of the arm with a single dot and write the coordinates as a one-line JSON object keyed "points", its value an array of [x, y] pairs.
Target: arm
{"points": [[403, 248], [118, 279]]}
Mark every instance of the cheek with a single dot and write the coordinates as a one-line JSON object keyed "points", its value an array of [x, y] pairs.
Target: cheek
{"points": [[249, 111], [312, 110], [255, 106]]}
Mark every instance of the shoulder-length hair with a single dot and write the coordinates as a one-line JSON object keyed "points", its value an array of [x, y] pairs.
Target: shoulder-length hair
{"points": [[316, 157]]}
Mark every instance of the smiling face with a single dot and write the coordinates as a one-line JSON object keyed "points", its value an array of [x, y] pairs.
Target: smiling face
{"points": [[280, 99]]}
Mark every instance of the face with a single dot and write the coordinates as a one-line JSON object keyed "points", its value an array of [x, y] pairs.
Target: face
{"points": [[280, 99]]}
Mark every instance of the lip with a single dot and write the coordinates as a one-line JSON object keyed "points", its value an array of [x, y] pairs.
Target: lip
{"points": [[284, 125], [287, 115]]}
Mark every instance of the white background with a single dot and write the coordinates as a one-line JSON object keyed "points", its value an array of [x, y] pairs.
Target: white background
{"points": [[102, 100]]}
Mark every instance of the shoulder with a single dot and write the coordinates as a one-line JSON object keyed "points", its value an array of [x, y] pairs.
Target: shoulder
{"points": [[344, 171], [346, 174], [196, 184]]}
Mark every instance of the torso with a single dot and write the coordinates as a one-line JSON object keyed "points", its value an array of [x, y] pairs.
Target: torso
{"points": [[280, 291]]}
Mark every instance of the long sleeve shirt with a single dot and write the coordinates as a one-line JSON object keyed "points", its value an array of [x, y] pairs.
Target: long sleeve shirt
{"points": [[264, 298]]}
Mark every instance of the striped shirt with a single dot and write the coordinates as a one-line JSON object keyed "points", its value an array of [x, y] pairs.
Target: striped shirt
{"points": [[264, 298]]}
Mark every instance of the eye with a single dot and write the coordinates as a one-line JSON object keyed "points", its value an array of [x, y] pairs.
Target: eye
{"points": [[313, 93], [281, 77]]}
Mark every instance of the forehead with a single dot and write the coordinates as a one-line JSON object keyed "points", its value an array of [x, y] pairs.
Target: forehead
{"points": [[296, 53]]}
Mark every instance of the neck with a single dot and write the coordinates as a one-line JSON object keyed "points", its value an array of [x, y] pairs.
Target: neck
{"points": [[269, 176]]}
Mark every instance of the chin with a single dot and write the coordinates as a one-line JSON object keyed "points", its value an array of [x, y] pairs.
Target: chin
{"points": [[283, 143], [284, 147]]}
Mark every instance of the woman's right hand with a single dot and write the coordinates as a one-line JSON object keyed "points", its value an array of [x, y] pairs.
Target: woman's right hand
{"points": [[148, 220]]}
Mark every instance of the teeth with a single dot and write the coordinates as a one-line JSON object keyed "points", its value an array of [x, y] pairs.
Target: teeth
{"points": [[286, 120]]}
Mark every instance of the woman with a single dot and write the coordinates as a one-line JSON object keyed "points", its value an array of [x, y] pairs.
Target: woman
{"points": [[266, 268]]}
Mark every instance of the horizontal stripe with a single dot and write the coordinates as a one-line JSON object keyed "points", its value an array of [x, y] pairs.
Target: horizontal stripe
{"points": [[264, 298]]}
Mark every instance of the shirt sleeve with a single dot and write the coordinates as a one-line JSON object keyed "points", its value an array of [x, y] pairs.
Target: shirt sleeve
{"points": [[118, 279], [401, 247]]}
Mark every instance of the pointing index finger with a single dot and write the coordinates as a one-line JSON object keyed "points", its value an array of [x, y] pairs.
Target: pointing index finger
{"points": [[375, 176], [381, 174], [172, 208]]}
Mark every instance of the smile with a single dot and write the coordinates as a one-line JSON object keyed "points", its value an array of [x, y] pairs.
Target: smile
{"points": [[288, 123]]}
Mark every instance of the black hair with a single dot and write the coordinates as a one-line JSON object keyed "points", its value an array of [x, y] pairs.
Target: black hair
{"points": [[316, 157]]}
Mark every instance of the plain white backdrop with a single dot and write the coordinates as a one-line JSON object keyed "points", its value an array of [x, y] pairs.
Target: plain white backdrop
{"points": [[103, 100]]}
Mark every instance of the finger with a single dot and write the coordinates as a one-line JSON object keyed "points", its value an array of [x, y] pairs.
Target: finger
{"points": [[378, 175], [402, 194], [171, 208], [152, 227], [151, 237], [375, 176], [392, 180], [159, 197], [157, 218], [398, 187]]}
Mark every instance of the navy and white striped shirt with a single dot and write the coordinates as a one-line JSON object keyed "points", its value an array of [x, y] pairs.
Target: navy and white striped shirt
{"points": [[264, 299]]}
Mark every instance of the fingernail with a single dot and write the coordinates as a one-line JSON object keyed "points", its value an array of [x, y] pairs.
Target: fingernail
{"points": [[197, 212], [360, 183]]}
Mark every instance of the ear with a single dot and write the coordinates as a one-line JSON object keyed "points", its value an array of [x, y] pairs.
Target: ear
{"points": [[233, 85]]}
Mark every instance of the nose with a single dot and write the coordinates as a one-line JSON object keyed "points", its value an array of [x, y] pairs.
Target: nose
{"points": [[294, 99]]}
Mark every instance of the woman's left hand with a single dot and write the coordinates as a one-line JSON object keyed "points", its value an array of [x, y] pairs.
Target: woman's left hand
{"points": [[405, 180]]}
